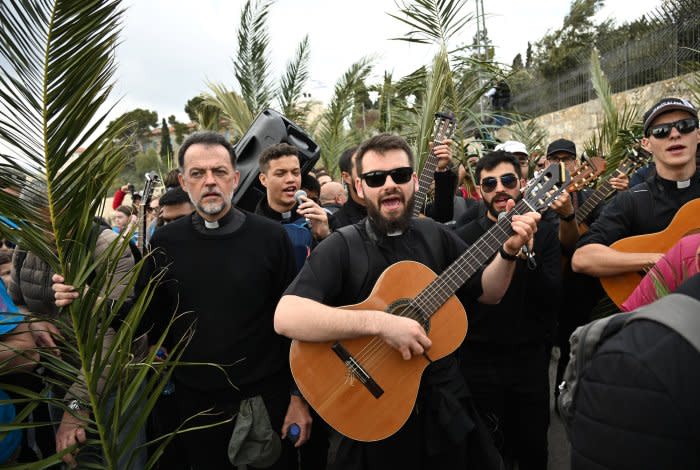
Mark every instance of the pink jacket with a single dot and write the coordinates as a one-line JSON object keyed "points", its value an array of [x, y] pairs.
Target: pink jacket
{"points": [[677, 265]]}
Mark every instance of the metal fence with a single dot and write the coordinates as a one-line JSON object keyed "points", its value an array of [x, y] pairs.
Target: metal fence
{"points": [[665, 53]]}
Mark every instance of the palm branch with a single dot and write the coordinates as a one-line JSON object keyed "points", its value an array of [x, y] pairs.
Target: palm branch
{"points": [[432, 21], [291, 85], [56, 69], [233, 109], [251, 64], [332, 130], [618, 132]]}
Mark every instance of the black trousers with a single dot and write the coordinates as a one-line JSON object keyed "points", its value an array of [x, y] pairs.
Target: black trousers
{"points": [[510, 386]]}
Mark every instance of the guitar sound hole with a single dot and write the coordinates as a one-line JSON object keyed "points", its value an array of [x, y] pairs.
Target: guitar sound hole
{"points": [[403, 307]]}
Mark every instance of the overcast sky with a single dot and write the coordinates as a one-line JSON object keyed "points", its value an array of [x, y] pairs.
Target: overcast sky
{"points": [[171, 48]]}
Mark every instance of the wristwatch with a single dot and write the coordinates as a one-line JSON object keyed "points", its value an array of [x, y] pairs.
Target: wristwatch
{"points": [[76, 405], [569, 217]]}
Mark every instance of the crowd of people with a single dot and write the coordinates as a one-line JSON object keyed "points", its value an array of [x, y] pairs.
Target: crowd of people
{"points": [[251, 281]]}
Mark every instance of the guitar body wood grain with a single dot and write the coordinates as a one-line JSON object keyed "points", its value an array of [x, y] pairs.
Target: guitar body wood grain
{"points": [[340, 398]]}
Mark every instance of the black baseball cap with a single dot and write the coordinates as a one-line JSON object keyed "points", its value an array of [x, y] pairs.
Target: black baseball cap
{"points": [[664, 106], [561, 145]]}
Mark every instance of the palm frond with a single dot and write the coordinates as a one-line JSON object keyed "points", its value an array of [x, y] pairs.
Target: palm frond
{"points": [[431, 21], [332, 128], [234, 108], [251, 64], [56, 71], [438, 83], [616, 134], [293, 81]]}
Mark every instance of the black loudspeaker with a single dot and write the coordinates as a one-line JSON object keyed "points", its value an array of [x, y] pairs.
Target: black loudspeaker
{"points": [[268, 129]]}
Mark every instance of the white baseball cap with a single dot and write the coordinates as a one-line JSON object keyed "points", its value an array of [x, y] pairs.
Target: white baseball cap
{"points": [[512, 146]]}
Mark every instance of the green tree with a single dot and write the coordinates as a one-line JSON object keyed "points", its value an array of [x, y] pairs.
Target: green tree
{"points": [[528, 55], [166, 147], [566, 47], [139, 123], [180, 129], [192, 106], [517, 62]]}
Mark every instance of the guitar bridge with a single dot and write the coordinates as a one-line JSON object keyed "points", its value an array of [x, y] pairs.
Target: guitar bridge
{"points": [[355, 369]]}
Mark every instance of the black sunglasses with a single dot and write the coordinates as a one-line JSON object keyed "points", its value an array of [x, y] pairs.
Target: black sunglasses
{"points": [[509, 181], [375, 179], [8, 244], [684, 126]]}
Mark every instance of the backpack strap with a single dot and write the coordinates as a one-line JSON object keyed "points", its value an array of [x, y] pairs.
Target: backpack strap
{"points": [[677, 312], [357, 253]]}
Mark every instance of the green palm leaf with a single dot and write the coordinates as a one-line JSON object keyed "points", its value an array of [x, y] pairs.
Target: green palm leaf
{"points": [[432, 21], [619, 131], [293, 81], [56, 69], [251, 64], [332, 129]]}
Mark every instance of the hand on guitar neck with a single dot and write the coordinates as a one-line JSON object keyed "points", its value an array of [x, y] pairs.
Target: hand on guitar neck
{"points": [[443, 152]]}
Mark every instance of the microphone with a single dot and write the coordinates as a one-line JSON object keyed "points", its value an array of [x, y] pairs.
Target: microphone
{"points": [[297, 197], [531, 262]]}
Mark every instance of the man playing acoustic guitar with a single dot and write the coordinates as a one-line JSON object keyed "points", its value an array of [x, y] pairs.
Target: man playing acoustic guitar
{"points": [[440, 431], [671, 135]]}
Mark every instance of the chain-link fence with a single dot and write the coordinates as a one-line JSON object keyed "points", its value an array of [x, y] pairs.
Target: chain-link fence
{"points": [[667, 52]]}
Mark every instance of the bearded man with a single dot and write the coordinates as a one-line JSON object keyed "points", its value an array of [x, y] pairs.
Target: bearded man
{"points": [[223, 272], [440, 432], [505, 358]]}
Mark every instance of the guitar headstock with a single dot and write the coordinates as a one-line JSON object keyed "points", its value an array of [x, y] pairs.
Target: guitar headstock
{"points": [[444, 127], [545, 188], [589, 170], [633, 161], [152, 179]]}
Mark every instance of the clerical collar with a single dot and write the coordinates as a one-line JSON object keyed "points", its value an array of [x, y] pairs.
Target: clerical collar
{"points": [[671, 185], [227, 224]]}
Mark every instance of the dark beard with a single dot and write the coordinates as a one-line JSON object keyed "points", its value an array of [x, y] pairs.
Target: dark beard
{"points": [[384, 227], [489, 205]]}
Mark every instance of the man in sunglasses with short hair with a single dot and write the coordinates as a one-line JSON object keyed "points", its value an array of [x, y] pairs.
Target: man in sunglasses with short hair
{"points": [[343, 270], [671, 135], [505, 358]]}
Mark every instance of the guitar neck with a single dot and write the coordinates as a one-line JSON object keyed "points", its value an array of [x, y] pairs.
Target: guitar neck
{"points": [[602, 192], [424, 180], [430, 299]]}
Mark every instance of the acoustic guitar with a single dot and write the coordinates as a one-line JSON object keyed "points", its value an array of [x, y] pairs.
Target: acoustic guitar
{"points": [[443, 129], [632, 162], [686, 220], [362, 387]]}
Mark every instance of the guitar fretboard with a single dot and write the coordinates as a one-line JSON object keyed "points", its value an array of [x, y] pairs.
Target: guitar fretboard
{"points": [[424, 180], [604, 191], [430, 299]]}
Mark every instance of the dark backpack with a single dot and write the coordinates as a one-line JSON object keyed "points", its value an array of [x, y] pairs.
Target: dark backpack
{"points": [[677, 312]]}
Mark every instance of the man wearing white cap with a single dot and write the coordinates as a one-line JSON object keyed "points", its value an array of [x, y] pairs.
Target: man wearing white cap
{"points": [[519, 150]]}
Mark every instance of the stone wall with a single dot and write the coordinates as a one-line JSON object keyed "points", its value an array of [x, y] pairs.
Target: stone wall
{"points": [[579, 122]]}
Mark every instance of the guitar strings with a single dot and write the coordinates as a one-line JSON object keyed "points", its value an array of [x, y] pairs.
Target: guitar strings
{"points": [[376, 350]]}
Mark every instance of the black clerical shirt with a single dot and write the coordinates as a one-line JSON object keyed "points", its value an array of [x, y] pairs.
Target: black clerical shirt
{"points": [[226, 283], [647, 208]]}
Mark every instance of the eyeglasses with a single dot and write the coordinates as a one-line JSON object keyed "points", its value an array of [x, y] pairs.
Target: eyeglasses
{"points": [[375, 179], [684, 126], [567, 159], [8, 244], [509, 181]]}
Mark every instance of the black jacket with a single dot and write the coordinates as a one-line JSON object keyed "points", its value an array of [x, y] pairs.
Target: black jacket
{"points": [[637, 406]]}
